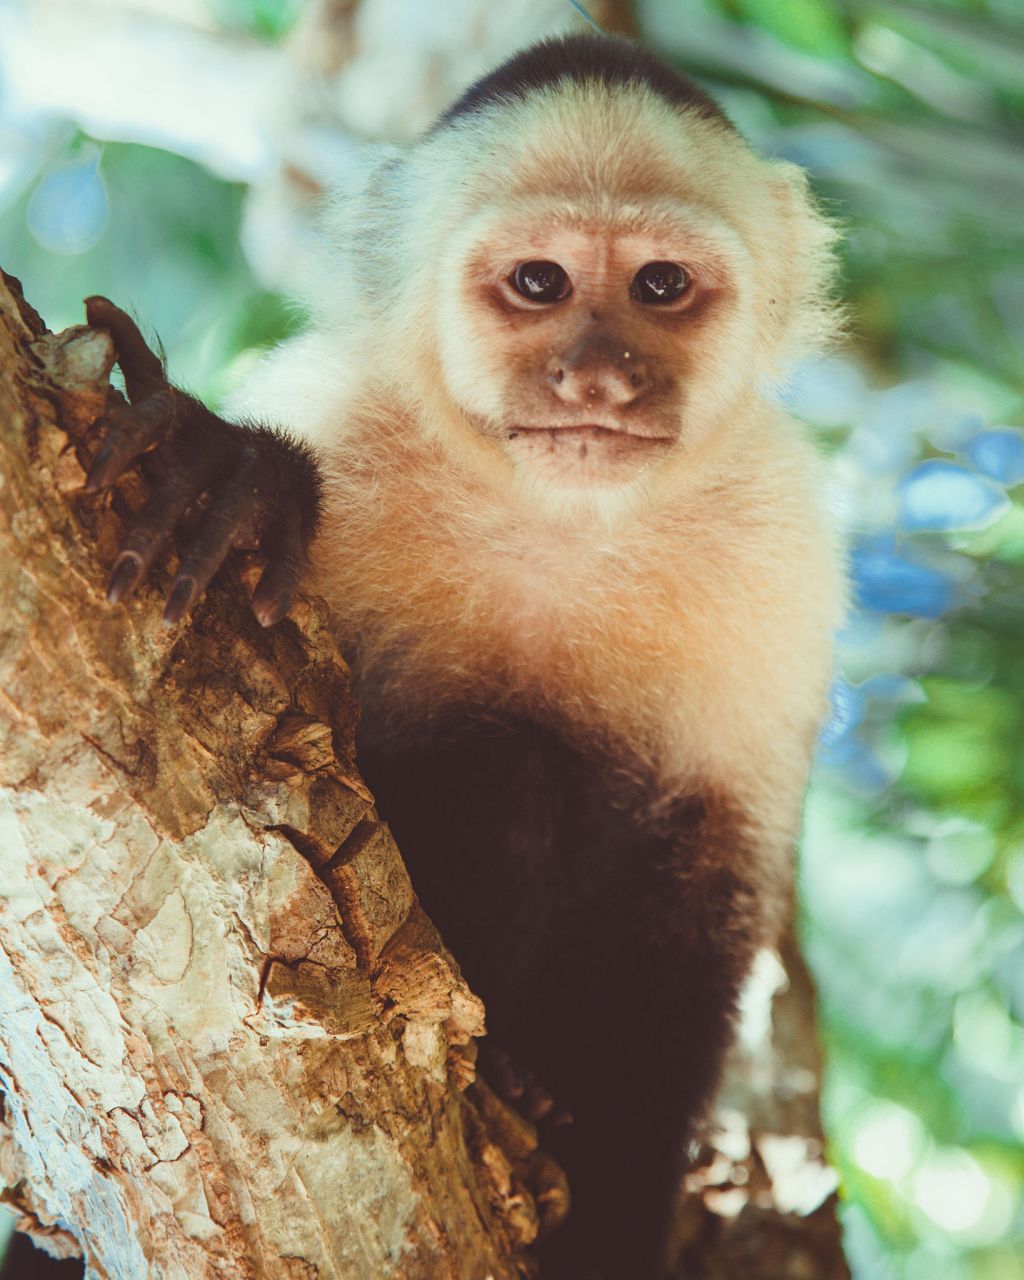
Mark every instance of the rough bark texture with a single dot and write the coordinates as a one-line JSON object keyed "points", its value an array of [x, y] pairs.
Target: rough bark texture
{"points": [[231, 1044], [228, 1035]]}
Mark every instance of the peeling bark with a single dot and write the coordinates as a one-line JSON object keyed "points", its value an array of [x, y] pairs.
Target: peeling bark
{"points": [[231, 1043]]}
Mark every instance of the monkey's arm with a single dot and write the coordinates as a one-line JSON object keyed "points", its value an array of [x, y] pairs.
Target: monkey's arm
{"points": [[256, 486]]}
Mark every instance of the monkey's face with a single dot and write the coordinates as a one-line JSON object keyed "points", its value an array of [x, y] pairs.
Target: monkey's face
{"points": [[592, 349], [603, 282]]}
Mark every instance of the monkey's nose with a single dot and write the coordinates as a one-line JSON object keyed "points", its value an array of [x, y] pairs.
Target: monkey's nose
{"points": [[604, 382]]}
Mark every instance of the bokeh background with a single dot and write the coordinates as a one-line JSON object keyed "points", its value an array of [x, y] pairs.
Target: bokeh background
{"points": [[169, 153]]}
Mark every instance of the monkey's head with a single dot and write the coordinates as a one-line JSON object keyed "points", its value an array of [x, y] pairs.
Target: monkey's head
{"points": [[604, 271]]}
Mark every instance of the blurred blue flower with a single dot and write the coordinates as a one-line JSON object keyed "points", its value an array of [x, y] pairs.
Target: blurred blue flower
{"points": [[906, 408], [945, 495], [860, 630], [880, 452], [826, 390], [891, 687], [68, 210], [862, 771], [846, 711], [999, 453], [887, 582]]}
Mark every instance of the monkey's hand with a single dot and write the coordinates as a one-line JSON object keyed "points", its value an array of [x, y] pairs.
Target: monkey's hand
{"points": [[254, 486]]}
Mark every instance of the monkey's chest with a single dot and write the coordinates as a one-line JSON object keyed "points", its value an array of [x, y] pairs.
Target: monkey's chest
{"points": [[606, 640], [532, 595], [552, 616]]}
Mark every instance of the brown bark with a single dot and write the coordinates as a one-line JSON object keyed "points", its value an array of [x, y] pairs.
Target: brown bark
{"points": [[231, 1044]]}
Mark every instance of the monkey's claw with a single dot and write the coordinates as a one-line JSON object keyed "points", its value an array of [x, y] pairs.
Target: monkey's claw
{"points": [[520, 1088], [254, 486]]}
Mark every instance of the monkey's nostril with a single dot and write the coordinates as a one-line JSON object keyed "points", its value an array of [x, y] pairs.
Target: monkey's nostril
{"points": [[636, 380], [557, 376]]}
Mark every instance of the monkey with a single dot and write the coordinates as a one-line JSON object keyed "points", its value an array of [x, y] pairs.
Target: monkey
{"points": [[577, 556]]}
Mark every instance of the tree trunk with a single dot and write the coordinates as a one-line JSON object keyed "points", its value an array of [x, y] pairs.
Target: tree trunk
{"points": [[231, 1044]]}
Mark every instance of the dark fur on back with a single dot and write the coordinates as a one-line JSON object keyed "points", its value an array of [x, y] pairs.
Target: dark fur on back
{"points": [[582, 58]]}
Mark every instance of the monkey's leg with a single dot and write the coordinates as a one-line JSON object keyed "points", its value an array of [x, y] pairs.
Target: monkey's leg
{"points": [[635, 1018]]}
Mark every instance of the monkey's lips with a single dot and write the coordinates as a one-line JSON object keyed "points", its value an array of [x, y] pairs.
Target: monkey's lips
{"points": [[585, 455]]}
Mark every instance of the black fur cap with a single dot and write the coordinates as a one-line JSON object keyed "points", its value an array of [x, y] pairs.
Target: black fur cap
{"points": [[581, 58]]}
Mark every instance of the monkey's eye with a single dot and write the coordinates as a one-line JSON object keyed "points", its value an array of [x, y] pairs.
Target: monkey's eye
{"points": [[540, 281], [658, 283]]}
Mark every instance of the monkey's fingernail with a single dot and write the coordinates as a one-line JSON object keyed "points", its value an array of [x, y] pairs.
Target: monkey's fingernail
{"points": [[123, 579], [179, 601], [96, 479], [269, 611], [538, 1105]]}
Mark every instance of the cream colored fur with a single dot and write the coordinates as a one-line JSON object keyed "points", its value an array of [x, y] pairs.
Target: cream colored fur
{"points": [[684, 621]]}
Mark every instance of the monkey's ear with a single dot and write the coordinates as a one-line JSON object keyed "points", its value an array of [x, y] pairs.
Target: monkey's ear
{"points": [[806, 317]]}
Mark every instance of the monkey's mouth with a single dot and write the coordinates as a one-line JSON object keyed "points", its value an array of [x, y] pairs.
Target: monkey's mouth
{"points": [[589, 432], [585, 455]]}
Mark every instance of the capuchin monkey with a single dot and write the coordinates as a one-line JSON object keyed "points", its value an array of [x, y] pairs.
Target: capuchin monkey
{"points": [[577, 558]]}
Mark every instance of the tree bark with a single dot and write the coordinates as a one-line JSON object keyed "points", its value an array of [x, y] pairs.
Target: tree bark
{"points": [[231, 1044]]}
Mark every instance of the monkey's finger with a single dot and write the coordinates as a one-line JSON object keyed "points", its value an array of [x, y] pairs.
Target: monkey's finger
{"points": [[155, 524], [143, 372], [550, 1189], [507, 1079], [233, 511], [537, 1102], [133, 429], [286, 559]]}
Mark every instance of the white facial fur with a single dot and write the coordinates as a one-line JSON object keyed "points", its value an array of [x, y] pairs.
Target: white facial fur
{"points": [[600, 182]]}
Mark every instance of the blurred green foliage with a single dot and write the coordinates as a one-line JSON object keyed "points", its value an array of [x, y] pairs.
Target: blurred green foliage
{"points": [[168, 249], [910, 118], [267, 19]]}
